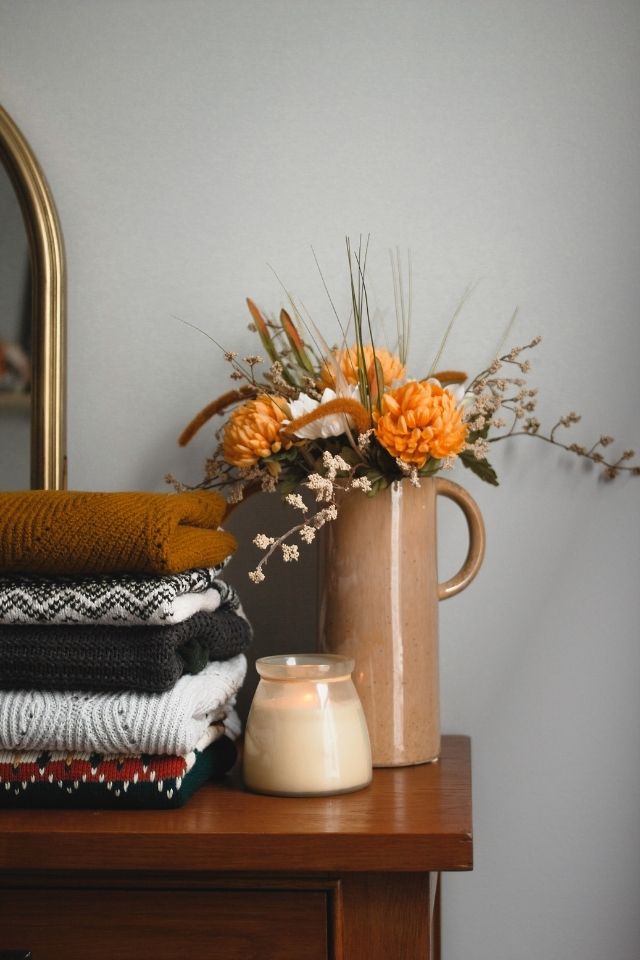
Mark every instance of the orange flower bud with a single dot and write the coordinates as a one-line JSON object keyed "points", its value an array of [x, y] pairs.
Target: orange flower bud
{"points": [[392, 369], [253, 431], [420, 420]]}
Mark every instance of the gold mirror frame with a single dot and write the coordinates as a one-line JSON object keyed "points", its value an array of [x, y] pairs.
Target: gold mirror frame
{"points": [[48, 294]]}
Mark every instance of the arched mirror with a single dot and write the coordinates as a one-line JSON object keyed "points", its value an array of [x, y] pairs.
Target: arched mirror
{"points": [[32, 322]]}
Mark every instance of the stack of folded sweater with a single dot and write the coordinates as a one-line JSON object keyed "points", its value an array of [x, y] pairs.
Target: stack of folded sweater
{"points": [[121, 648]]}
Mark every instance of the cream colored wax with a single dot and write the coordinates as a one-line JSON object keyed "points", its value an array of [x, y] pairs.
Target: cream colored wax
{"points": [[305, 743]]}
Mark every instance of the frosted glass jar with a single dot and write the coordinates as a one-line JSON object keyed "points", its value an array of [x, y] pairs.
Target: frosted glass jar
{"points": [[306, 733]]}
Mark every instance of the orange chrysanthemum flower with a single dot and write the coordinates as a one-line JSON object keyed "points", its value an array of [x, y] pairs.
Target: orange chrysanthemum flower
{"points": [[253, 431], [392, 368], [420, 420]]}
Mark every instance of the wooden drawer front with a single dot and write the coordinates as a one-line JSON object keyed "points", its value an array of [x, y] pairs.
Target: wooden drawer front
{"points": [[107, 924]]}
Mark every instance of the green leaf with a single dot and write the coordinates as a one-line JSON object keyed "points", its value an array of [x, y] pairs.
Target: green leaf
{"points": [[479, 434], [481, 468], [289, 456], [376, 382], [350, 456], [289, 485], [431, 466], [378, 482]]}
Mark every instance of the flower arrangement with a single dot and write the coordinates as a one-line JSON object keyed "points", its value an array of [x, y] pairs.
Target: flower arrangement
{"points": [[324, 421]]}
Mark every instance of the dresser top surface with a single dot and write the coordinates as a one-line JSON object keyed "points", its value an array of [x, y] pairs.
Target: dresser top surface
{"points": [[409, 819]]}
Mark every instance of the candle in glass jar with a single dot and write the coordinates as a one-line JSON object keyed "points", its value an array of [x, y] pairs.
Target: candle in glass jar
{"points": [[306, 733]]}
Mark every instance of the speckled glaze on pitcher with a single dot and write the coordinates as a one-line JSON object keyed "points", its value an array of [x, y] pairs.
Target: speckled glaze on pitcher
{"points": [[379, 596]]}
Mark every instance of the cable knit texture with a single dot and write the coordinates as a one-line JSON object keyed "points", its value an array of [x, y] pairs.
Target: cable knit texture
{"points": [[64, 532], [128, 723], [68, 657], [121, 599]]}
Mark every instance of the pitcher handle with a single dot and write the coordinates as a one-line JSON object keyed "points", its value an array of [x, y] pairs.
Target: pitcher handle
{"points": [[475, 524]]}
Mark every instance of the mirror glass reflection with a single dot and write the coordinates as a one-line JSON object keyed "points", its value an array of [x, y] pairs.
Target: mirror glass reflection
{"points": [[15, 342]]}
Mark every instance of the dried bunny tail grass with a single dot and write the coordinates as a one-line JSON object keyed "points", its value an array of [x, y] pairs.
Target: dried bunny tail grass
{"points": [[217, 406], [449, 376], [353, 408]]}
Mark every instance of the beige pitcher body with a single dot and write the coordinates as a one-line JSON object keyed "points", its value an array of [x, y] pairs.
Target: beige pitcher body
{"points": [[379, 604]]}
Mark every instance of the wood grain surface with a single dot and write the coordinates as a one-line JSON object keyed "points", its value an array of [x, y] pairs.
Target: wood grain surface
{"points": [[107, 924], [241, 876], [409, 819]]}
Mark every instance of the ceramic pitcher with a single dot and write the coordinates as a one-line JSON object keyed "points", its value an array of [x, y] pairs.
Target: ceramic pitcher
{"points": [[379, 595]]}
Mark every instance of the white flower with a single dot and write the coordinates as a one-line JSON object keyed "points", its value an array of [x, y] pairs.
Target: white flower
{"points": [[331, 426], [457, 392]]}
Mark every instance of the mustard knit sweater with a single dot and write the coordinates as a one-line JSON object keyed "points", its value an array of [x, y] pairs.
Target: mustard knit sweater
{"points": [[69, 533]]}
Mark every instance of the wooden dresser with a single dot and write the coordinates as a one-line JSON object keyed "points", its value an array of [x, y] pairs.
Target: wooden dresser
{"points": [[236, 876]]}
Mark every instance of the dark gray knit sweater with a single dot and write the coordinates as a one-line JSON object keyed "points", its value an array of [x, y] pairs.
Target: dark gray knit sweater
{"points": [[147, 658]]}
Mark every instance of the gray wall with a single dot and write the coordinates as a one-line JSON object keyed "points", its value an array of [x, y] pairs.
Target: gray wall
{"points": [[192, 145]]}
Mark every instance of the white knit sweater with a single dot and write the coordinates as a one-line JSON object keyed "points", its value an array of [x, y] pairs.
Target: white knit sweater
{"points": [[173, 722]]}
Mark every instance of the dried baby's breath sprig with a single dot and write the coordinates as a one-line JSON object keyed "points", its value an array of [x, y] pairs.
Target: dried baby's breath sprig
{"points": [[236, 493], [276, 379], [334, 464], [321, 486], [177, 485], [262, 541], [329, 513], [404, 468], [269, 483], [408, 470], [479, 448], [238, 371], [611, 469], [488, 393], [361, 483], [289, 552], [326, 491], [566, 421], [364, 442], [296, 501], [308, 385]]}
